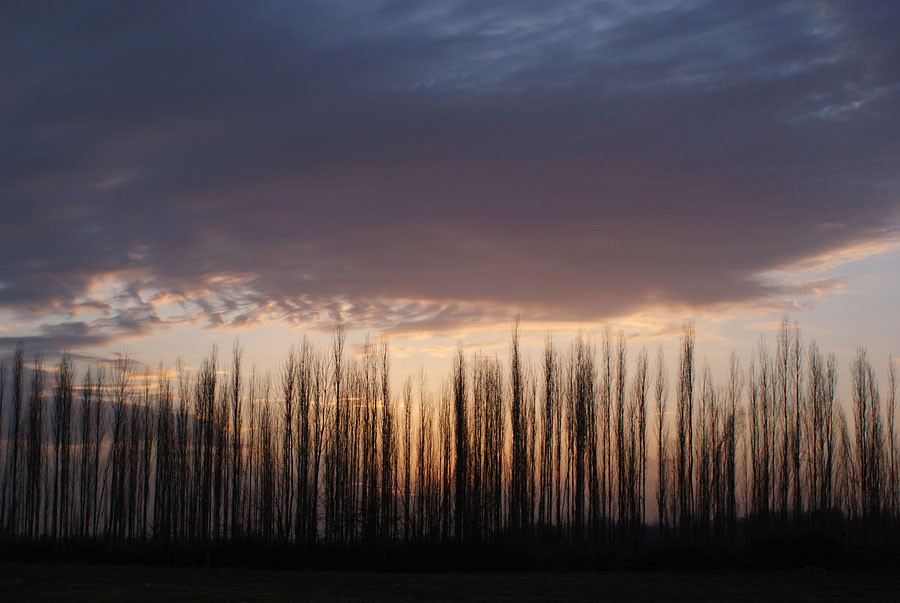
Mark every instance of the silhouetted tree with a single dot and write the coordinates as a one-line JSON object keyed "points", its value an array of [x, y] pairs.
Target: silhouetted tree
{"points": [[869, 466], [461, 438], [324, 460], [237, 448], [732, 396], [18, 402], [892, 453], [684, 453], [35, 453], [662, 445]]}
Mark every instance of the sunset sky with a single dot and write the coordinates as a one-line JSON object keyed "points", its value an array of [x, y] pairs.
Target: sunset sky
{"points": [[178, 174]]}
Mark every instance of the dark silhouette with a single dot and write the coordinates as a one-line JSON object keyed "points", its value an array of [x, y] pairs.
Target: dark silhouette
{"points": [[328, 460]]}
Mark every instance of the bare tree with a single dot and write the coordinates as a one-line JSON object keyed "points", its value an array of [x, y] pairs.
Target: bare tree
{"points": [[321, 395], [388, 447], [782, 414], [684, 453], [892, 455], [796, 426], [251, 489], [237, 455], [733, 394], [761, 424], [289, 398], [461, 437], [869, 437], [4, 470], [484, 459], [601, 470], [63, 389], [639, 442], [705, 453], [819, 442], [164, 509], [550, 433], [519, 467], [619, 424], [662, 444], [35, 453], [18, 402], [582, 401]]}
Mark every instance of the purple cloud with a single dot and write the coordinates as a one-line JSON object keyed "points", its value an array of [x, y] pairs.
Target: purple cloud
{"points": [[406, 165]]}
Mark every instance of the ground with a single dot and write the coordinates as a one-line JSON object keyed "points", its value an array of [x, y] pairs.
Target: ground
{"points": [[73, 582]]}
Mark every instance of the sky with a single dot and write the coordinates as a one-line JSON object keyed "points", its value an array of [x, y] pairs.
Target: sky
{"points": [[178, 174]]}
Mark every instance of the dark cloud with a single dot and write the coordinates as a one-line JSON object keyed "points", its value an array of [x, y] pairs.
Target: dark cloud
{"points": [[406, 165], [53, 338]]}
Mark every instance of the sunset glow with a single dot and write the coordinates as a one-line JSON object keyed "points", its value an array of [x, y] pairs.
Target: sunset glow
{"points": [[450, 284], [429, 173]]}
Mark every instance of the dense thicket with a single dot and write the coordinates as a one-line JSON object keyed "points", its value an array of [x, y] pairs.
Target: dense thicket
{"points": [[567, 451]]}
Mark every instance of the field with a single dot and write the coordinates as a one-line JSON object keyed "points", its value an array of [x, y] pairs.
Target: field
{"points": [[72, 582]]}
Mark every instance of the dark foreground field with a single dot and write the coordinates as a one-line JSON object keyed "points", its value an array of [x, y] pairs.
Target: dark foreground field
{"points": [[52, 582]]}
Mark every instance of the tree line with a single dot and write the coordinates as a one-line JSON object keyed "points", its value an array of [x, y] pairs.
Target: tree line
{"points": [[323, 453]]}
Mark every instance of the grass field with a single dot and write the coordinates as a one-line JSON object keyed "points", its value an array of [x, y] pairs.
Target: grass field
{"points": [[72, 582]]}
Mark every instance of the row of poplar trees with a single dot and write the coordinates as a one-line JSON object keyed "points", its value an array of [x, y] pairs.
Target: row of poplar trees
{"points": [[324, 452]]}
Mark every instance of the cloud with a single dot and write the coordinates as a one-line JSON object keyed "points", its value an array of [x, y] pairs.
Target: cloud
{"points": [[423, 165], [53, 338]]}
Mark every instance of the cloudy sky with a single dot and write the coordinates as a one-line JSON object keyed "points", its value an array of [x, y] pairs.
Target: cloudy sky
{"points": [[177, 173]]}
